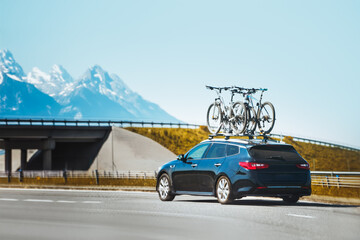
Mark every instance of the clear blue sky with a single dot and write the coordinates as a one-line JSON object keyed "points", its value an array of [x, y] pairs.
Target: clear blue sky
{"points": [[306, 52]]}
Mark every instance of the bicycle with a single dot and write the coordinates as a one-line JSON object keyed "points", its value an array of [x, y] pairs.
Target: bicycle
{"points": [[231, 118], [262, 117]]}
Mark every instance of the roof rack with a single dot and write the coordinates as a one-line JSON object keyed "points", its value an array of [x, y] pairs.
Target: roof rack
{"points": [[227, 136]]}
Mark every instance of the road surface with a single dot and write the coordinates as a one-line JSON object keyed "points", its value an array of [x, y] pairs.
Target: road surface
{"points": [[76, 214]]}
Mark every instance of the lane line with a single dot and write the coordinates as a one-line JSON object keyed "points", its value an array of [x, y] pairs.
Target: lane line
{"points": [[38, 200], [9, 199], [301, 216], [77, 190], [91, 202], [65, 201]]}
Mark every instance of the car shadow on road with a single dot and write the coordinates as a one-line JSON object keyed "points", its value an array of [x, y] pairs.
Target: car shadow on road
{"points": [[271, 202]]}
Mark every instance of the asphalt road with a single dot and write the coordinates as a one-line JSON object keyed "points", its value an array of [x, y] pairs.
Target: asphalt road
{"points": [[68, 214]]}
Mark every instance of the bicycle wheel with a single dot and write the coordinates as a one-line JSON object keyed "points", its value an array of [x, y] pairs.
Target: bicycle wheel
{"points": [[240, 118], [266, 118], [251, 120], [214, 118]]}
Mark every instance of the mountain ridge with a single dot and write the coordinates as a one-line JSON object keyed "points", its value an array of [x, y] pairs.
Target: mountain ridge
{"points": [[97, 94]]}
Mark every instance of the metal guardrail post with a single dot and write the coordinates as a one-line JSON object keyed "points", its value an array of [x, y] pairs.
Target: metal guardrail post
{"points": [[327, 181], [21, 175], [97, 176], [65, 176]]}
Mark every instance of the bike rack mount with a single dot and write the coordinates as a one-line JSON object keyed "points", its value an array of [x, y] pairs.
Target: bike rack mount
{"points": [[227, 136]]}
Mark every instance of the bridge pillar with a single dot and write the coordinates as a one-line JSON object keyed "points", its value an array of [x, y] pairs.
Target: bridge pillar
{"points": [[8, 163], [23, 159], [8, 160], [47, 159]]}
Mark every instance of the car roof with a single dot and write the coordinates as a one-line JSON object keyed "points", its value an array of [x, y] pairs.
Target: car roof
{"points": [[245, 142]]}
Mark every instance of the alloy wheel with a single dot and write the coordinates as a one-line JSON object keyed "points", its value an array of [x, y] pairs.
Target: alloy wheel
{"points": [[164, 187]]}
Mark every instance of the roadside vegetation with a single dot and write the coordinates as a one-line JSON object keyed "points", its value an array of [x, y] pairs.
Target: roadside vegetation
{"points": [[320, 158]]}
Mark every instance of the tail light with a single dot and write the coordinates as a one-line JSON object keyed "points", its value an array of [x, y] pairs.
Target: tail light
{"points": [[253, 166], [303, 166]]}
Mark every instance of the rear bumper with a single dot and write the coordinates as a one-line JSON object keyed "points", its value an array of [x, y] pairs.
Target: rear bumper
{"points": [[272, 192], [247, 187], [275, 192]]}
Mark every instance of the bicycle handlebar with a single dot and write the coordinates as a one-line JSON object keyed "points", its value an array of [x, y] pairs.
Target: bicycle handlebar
{"points": [[241, 90], [218, 88], [235, 89]]}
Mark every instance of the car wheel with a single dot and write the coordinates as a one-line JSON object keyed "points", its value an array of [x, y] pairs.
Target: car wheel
{"points": [[164, 188], [223, 190], [291, 199]]}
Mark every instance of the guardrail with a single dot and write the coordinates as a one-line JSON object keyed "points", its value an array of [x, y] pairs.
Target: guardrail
{"points": [[335, 179], [319, 178], [306, 140], [91, 123], [82, 174]]}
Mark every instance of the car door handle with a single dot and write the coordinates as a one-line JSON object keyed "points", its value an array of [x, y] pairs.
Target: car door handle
{"points": [[217, 164], [194, 165]]}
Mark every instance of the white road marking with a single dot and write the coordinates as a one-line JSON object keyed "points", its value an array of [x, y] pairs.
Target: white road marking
{"points": [[90, 202], [9, 199], [38, 200], [65, 201], [301, 216], [77, 190]]}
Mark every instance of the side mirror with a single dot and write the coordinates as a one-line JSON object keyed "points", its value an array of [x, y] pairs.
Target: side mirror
{"points": [[181, 157]]}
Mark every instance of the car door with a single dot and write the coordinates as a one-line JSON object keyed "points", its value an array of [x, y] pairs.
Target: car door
{"points": [[209, 166], [184, 175]]}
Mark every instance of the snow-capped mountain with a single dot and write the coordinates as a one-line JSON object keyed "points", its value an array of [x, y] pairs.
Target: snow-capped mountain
{"points": [[98, 81], [18, 98], [96, 95], [58, 83], [9, 66]]}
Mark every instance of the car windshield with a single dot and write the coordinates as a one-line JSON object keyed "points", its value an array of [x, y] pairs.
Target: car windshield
{"points": [[275, 152]]}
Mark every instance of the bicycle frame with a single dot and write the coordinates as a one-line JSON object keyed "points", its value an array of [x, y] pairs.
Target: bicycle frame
{"points": [[249, 99], [227, 111]]}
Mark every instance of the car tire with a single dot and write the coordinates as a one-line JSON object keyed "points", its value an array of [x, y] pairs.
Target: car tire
{"points": [[291, 199], [223, 190], [163, 188]]}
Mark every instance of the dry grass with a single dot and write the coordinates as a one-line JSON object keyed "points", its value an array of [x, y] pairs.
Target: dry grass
{"points": [[81, 182], [320, 158], [177, 140], [323, 158], [114, 182], [336, 192]]}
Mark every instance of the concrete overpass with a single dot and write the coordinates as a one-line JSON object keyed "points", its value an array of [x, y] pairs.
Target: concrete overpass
{"points": [[74, 145], [57, 145]]}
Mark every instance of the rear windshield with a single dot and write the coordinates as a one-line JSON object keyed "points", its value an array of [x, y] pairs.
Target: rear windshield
{"points": [[274, 152]]}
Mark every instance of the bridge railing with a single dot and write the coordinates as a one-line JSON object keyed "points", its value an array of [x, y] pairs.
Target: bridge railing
{"points": [[319, 178], [306, 140], [91, 123], [82, 174]]}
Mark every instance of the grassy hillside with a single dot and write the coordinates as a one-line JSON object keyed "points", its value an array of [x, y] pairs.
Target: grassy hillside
{"points": [[320, 158]]}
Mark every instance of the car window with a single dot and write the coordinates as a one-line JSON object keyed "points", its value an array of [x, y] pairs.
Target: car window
{"points": [[217, 151], [232, 150], [197, 152], [275, 152]]}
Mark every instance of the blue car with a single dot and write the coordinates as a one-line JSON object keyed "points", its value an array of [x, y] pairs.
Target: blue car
{"points": [[232, 169]]}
